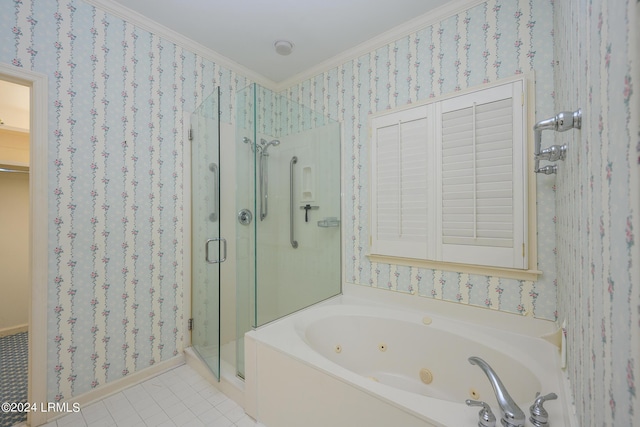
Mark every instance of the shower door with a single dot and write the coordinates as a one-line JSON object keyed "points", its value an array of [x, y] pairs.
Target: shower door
{"points": [[208, 249]]}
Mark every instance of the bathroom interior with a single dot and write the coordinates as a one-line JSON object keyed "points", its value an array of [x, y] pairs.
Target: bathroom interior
{"points": [[185, 201]]}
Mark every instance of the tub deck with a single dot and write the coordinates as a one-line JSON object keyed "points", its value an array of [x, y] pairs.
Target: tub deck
{"points": [[296, 371]]}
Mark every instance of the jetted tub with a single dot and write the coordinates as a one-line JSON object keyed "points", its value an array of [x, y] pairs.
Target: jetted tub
{"points": [[353, 362]]}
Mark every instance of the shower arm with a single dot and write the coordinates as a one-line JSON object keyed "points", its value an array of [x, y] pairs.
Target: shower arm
{"points": [[562, 122]]}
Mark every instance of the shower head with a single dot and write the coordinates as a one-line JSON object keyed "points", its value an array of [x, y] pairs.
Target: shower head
{"points": [[275, 142]]}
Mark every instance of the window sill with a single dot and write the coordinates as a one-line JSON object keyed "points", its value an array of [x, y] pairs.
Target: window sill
{"points": [[507, 273]]}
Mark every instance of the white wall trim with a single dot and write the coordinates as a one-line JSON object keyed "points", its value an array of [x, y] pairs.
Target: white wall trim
{"points": [[153, 27], [12, 330], [445, 11], [117, 386], [39, 232], [449, 9]]}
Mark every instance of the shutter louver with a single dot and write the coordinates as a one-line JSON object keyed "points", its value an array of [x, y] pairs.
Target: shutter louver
{"points": [[400, 199], [413, 185], [477, 175], [388, 167]]}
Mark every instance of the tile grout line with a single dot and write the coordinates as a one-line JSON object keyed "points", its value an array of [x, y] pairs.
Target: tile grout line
{"points": [[201, 402]]}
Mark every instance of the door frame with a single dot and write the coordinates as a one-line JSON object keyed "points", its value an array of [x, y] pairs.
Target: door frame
{"points": [[188, 230], [186, 227], [228, 301], [38, 232]]}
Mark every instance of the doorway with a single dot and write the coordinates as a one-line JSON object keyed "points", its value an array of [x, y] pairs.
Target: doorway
{"points": [[14, 252], [34, 87]]}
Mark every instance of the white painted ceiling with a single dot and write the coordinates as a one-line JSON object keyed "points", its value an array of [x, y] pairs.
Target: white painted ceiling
{"points": [[244, 31]]}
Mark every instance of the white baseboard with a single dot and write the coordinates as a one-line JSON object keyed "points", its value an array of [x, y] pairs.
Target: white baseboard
{"points": [[117, 386], [12, 330]]}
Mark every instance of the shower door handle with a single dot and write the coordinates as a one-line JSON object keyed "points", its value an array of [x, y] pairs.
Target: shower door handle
{"points": [[224, 250], [294, 243], [213, 217]]}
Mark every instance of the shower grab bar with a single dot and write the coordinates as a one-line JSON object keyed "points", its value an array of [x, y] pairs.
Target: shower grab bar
{"points": [[264, 185], [293, 161], [216, 184]]}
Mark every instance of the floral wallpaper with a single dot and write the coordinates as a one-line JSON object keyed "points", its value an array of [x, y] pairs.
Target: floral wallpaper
{"points": [[483, 44], [117, 96], [598, 202]]}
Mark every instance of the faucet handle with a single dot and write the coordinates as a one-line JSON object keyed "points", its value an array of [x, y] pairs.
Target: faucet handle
{"points": [[553, 153], [539, 415], [547, 170], [487, 419]]}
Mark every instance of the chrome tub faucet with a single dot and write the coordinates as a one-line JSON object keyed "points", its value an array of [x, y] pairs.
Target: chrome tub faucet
{"points": [[512, 415]]}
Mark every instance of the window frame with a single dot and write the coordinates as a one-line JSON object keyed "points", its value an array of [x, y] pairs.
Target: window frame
{"points": [[525, 186]]}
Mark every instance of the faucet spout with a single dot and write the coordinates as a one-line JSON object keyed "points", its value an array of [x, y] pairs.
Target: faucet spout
{"points": [[512, 415], [549, 124]]}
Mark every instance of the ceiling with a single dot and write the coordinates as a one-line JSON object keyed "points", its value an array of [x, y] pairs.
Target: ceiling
{"points": [[244, 31], [240, 34]]}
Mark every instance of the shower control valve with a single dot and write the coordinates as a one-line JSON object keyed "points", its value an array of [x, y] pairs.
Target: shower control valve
{"points": [[306, 208], [245, 216]]}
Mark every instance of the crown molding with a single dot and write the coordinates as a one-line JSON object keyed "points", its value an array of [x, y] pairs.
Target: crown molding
{"points": [[403, 30], [153, 27], [445, 11]]}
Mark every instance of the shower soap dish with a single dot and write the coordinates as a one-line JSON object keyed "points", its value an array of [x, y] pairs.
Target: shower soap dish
{"points": [[331, 221]]}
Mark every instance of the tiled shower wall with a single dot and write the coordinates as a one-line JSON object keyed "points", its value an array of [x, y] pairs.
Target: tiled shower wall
{"points": [[493, 40], [116, 101], [598, 205]]}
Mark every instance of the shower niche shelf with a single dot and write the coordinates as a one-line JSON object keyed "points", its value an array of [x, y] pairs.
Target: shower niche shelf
{"points": [[307, 184]]}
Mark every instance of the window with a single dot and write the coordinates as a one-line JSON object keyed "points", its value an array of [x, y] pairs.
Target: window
{"points": [[400, 182], [449, 180]]}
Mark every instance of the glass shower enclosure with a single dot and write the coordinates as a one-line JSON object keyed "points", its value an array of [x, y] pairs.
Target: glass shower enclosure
{"points": [[207, 246], [288, 245]]}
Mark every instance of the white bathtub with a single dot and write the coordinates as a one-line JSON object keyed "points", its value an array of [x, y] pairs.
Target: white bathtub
{"points": [[351, 362]]}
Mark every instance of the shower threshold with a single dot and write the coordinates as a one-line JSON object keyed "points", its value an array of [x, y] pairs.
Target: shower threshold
{"points": [[230, 384]]}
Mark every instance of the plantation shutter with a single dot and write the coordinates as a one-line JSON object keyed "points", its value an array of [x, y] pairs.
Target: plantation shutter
{"points": [[481, 191], [399, 172]]}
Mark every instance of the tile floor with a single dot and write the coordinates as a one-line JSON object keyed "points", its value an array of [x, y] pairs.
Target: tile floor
{"points": [[179, 397], [14, 354]]}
